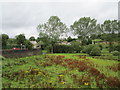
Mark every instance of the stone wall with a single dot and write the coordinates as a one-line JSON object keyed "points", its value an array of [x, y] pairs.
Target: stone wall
{"points": [[19, 53]]}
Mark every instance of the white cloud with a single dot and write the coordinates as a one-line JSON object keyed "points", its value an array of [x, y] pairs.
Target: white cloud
{"points": [[23, 17]]}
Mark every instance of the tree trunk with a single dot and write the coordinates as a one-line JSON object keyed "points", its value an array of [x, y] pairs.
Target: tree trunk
{"points": [[52, 48], [110, 47]]}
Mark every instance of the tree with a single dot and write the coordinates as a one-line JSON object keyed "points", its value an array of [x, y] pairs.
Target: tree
{"points": [[12, 41], [76, 46], [52, 31], [110, 28], [84, 27], [69, 39], [32, 38], [20, 39], [4, 38], [28, 44]]}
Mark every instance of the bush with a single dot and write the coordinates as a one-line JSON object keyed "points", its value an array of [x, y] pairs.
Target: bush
{"points": [[63, 49], [66, 49], [92, 50], [28, 45], [95, 51], [2, 58], [87, 49], [106, 47], [116, 53], [116, 48], [111, 48], [76, 46], [101, 47]]}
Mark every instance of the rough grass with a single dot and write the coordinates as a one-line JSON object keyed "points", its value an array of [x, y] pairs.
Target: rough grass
{"points": [[60, 71]]}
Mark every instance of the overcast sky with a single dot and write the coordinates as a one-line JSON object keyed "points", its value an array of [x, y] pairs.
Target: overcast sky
{"points": [[23, 17]]}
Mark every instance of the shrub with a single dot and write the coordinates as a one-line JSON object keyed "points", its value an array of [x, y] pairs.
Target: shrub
{"points": [[95, 51], [76, 46], [87, 49], [111, 48], [101, 47], [63, 49], [2, 58], [92, 50], [28, 45], [116, 48], [116, 53], [106, 47]]}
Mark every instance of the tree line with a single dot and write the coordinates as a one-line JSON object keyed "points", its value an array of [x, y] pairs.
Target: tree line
{"points": [[85, 29], [53, 31]]}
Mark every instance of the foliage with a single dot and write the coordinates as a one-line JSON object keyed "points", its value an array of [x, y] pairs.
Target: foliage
{"points": [[116, 53], [89, 41], [92, 50], [111, 47], [101, 47], [75, 45], [20, 39], [116, 48], [110, 28], [95, 51], [32, 38], [84, 27], [63, 49], [28, 44], [88, 48], [2, 58], [11, 41], [73, 48], [69, 39], [95, 36], [52, 30], [4, 38]]}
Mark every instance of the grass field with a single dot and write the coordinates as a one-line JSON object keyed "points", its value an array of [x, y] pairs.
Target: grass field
{"points": [[60, 71]]}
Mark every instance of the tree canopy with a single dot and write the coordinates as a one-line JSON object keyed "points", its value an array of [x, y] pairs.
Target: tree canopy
{"points": [[20, 39], [4, 38], [32, 38], [84, 27], [52, 30]]}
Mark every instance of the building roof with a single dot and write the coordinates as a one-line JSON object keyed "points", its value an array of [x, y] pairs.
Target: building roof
{"points": [[33, 42]]}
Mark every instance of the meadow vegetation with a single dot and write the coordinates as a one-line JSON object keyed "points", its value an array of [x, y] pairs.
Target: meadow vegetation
{"points": [[60, 71]]}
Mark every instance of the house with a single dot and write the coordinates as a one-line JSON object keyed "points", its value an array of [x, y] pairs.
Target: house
{"points": [[79, 41], [65, 43], [35, 45]]}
